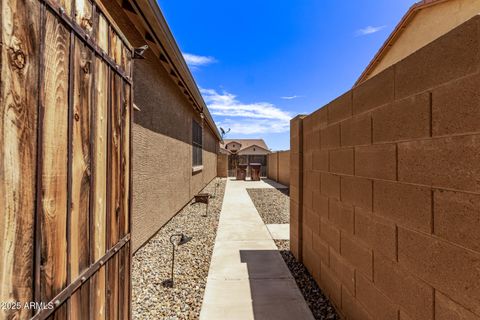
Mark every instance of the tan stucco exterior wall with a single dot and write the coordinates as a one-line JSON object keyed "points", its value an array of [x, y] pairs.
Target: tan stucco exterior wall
{"points": [[163, 181], [428, 24]]}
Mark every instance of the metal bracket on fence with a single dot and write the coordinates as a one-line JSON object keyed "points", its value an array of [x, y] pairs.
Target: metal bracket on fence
{"points": [[66, 293]]}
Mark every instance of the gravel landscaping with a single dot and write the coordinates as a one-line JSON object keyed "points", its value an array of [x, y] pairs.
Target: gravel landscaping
{"points": [[151, 264], [272, 204], [273, 207]]}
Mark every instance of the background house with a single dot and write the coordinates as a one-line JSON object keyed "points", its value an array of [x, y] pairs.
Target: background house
{"points": [[245, 151], [424, 22]]}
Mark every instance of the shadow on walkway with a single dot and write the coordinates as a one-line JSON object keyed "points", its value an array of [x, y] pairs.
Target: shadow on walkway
{"points": [[273, 290]]}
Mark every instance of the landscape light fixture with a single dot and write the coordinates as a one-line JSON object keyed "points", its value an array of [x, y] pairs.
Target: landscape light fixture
{"points": [[182, 239], [215, 192]]}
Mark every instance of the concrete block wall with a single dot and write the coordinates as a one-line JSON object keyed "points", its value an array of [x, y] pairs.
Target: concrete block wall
{"points": [[222, 165], [279, 167], [385, 188], [272, 166]]}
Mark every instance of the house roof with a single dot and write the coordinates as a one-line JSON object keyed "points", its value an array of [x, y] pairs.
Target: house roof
{"points": [[397, 32], [245, 143]]}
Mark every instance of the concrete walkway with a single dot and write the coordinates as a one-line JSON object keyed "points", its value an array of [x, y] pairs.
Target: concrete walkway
{"points": [[248, 278]]}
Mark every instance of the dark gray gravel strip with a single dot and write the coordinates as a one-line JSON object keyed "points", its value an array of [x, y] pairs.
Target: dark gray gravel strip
{"points": [[272, 204], [273, 207], [151, 264], [316, 300]]}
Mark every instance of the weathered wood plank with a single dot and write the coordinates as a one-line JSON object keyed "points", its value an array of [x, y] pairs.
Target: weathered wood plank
{"points": [[126, 109], [20, 22], [115, 160], [122, 299], [66, 5], [83, 15], [81, 179], [100, 158], [99, 194], [54, 159], [79, 307], [115, 47], [99, 295], [112, 288], [102, 33], [125, 284]]}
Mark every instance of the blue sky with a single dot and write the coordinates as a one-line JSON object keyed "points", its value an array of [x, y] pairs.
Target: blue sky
{"points": [[260, 63]]}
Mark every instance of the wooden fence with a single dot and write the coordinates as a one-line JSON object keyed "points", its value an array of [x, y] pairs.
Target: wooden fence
{"points": [[65, 123]]}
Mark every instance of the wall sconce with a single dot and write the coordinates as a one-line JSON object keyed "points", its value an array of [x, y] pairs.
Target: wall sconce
{"points": [[182, 239], [139, 52]]}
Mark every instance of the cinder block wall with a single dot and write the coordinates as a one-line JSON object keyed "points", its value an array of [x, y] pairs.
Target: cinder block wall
{"points": [[222, 165], [272, 166], [385, 188], [279, 167], [284, 167]]}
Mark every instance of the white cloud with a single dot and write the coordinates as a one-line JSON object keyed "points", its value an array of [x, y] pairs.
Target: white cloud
{"points": [[194, 60], [291, 97], [248, 118], [369, 30]]}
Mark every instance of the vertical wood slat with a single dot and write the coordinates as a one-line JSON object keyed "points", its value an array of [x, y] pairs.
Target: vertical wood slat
{"points": [[112, 287], [115, 158], [102, 33], [20, 28], [66, 5], [100, 182], [114, 194], [54, 147], [63, 237], [79, 222], [125, 158], [84, 15], [54, 164]]}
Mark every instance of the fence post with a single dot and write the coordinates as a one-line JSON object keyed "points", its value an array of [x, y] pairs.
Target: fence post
{"points": [[296, 185]]}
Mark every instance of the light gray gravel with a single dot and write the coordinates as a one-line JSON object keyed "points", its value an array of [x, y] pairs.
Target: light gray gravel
{"points": [[273, 207], [151, 264], [272, 204]]}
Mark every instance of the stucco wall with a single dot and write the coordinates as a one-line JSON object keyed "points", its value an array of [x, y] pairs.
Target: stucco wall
{"points": [[163, 181], [429, 24], [385, 188]]}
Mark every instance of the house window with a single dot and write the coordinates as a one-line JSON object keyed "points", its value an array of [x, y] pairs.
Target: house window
{"points": [[196, 144]]}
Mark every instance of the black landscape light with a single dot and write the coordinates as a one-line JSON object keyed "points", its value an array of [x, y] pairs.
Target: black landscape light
{"points": [[182, 239]]}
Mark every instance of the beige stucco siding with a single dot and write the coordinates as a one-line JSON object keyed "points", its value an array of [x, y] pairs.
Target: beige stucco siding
{"points": [[163, 181], [427, 25]]}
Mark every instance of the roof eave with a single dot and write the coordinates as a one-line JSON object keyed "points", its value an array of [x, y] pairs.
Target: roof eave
{"points": [[173, 53]]}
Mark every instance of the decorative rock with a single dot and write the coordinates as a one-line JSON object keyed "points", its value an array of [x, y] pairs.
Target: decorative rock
{"points": [[151, 264]]}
